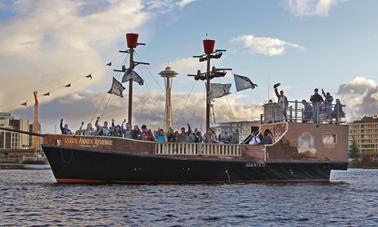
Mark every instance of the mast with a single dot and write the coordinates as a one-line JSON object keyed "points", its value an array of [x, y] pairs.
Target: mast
{"points": [[131, 66], [132, 43], [208, 46], [35, 141]]}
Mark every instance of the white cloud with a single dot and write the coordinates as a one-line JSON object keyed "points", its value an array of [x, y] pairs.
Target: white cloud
{"points": [[184, 65], [360, 96], [166, 5], [311, 7], [50, 43], [264, 45], [374, 96], [183, 3]]}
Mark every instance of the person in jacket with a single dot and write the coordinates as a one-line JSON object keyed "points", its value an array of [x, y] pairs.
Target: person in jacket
{"points": [[160, 137], [64, 129], [316, 101], [282, 101], [88, 131], [102, 130], [328, 99]]}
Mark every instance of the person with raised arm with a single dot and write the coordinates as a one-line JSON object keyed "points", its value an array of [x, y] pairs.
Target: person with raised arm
{"points": [[282, 100], [328, 99], [102, 130], [64, 129]]}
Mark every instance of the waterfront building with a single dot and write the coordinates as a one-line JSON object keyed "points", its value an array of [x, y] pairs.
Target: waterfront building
{"points": [[244, 128], [13, 140], [364, 133]]}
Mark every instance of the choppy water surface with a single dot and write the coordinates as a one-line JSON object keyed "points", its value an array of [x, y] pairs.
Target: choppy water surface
{"points": [[32, 198]]}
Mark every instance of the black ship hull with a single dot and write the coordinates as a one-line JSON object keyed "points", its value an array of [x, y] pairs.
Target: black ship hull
{"points": [[72, 165]]}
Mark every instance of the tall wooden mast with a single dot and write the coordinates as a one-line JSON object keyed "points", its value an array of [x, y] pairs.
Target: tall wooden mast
{"points": [[35, 141], [132, 43], [208, 46]]}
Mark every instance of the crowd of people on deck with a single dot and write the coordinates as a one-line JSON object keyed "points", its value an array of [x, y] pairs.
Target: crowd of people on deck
{"points": [[313, 109], [316, 106], [257, 138], [126, 130]]}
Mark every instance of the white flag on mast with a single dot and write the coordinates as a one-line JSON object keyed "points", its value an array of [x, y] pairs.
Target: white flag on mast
{"points": [[116, 88], [219, 90], [243, 82], [130, 74]]}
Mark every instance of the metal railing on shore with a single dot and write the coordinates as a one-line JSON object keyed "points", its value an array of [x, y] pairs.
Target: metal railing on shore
{"points": [[191, 149]]}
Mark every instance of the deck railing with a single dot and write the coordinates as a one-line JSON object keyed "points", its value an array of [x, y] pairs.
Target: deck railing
{"points": [[208, 149], [297, 113]]}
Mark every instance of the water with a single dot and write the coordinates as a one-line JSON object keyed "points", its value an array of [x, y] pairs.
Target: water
{"points": [[32, 198]]}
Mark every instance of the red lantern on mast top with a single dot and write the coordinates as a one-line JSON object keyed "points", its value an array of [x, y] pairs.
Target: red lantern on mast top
{"points": [[132, 40], [208, 46]]}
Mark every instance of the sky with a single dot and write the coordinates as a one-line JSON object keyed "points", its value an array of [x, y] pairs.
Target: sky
{"points": [[302, 44]]}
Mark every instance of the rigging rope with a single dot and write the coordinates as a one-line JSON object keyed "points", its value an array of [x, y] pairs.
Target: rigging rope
{"points": [[149, 72], [118, 76], [11, 106], [186, 101]]}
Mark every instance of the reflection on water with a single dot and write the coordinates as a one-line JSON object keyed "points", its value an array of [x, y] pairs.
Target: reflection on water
{"points": [[31, 197]]}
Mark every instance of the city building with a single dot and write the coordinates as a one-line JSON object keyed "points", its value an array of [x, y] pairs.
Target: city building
{"points": [[244, 128], [13, 140], [364, 133]]}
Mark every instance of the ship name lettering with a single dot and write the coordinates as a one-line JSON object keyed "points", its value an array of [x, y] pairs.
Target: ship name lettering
{"points": [[70, 140], [103, 142], [85, 141]]}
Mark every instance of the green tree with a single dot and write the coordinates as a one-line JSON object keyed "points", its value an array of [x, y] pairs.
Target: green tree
{"points": [[353, 150]]}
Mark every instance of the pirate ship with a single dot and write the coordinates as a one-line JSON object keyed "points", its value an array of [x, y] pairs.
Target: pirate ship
{"points": [[300, 152]]}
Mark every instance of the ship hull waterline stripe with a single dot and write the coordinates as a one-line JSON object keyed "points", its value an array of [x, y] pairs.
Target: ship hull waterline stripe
{"points": [[90, 181]]}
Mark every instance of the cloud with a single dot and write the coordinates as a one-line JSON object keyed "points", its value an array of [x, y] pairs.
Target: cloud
{"points": [[166, 5], [361, 97], [147, 110], [183, 3], [49, 43], [311, 7], [184, 65], [264, 45]]}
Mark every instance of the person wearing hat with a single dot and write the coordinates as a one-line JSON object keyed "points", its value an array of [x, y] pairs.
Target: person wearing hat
{"points": [[316, 99], [282, 100]]}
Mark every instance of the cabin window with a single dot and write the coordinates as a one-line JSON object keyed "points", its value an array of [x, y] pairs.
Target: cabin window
{"points": [[329, 139]]}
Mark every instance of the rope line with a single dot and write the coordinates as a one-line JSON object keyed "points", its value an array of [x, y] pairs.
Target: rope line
{"points": [[149, 72]]}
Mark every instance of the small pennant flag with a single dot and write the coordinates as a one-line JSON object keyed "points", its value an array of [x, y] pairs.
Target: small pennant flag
{"points": [[68, 85], [24, 104], [46, 94], [219, 90], [116, 88], [130, 74], [109, 64], [89, 76], [243, 82]]}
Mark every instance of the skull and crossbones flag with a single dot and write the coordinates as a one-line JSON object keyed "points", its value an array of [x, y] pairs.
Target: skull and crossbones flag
{"points": [[116, 88]]}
